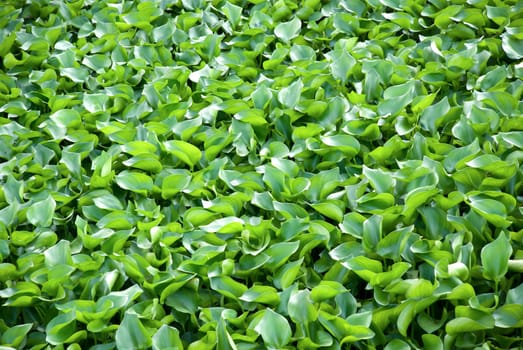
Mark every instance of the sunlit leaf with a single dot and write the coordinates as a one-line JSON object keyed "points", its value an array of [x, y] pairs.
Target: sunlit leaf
{"points": [[134, 181], [131, 334], [495, 256], [41, 213], [274, 329], [187, 153], [286, 31]]}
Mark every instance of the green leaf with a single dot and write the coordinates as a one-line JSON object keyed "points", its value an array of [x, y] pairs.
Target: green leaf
{"points": [[492, 78], [379, 179], [167, 338], [323, 183], [495, 256], [228, 287], [512, 46], [41, 213], [73, 163], [396, 98], [76, 74], [186, 152], [186, 128], [341, 65], [135, 148], [413, 308], [491, 209], [508, 316], [290, 96], [134, 181], [7, 272], [499, 100], [515, 295], [364, 267], [346, 251], [66, 118], [261, 97], [252, 116], [22, 238], [343, 330], [146, 162], [94, 103], [106, 200], [431, 341], [345, 23], [397, 344], [261, 294], [118, 220], [229, 224], [383, 279], [279, 253], [286, 31], [224, 339], [417, 198], [347, 144], [300, 307], [15, 336], [432, 116], [233, 13], [131, 334], [330, 209], [514, 138], [326, 290], [302, 53], [61, 328], [174, 184], [58, 254], [287, 274], [467, 325], [372, 232], [274, 329]]}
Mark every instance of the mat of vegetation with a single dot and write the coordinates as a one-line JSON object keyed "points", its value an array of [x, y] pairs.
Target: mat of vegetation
{"points": [[249, 174]]}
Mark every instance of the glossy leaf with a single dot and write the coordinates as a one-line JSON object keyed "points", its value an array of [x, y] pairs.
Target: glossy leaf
{"points": [[41, 213], [274, 329], [187, 153], [167, 338], [495, 256], [286, 31], [132, 334], [134, 181]]}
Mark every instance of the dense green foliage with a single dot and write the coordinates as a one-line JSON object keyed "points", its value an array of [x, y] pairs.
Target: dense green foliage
{"points": [[249, 174]]}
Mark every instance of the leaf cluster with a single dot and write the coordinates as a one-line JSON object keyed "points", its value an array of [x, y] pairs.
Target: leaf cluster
{"points": [[247, 174]]}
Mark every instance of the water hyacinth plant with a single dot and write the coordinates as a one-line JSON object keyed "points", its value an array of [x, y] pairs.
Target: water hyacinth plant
{"points": [[249, 174]]}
